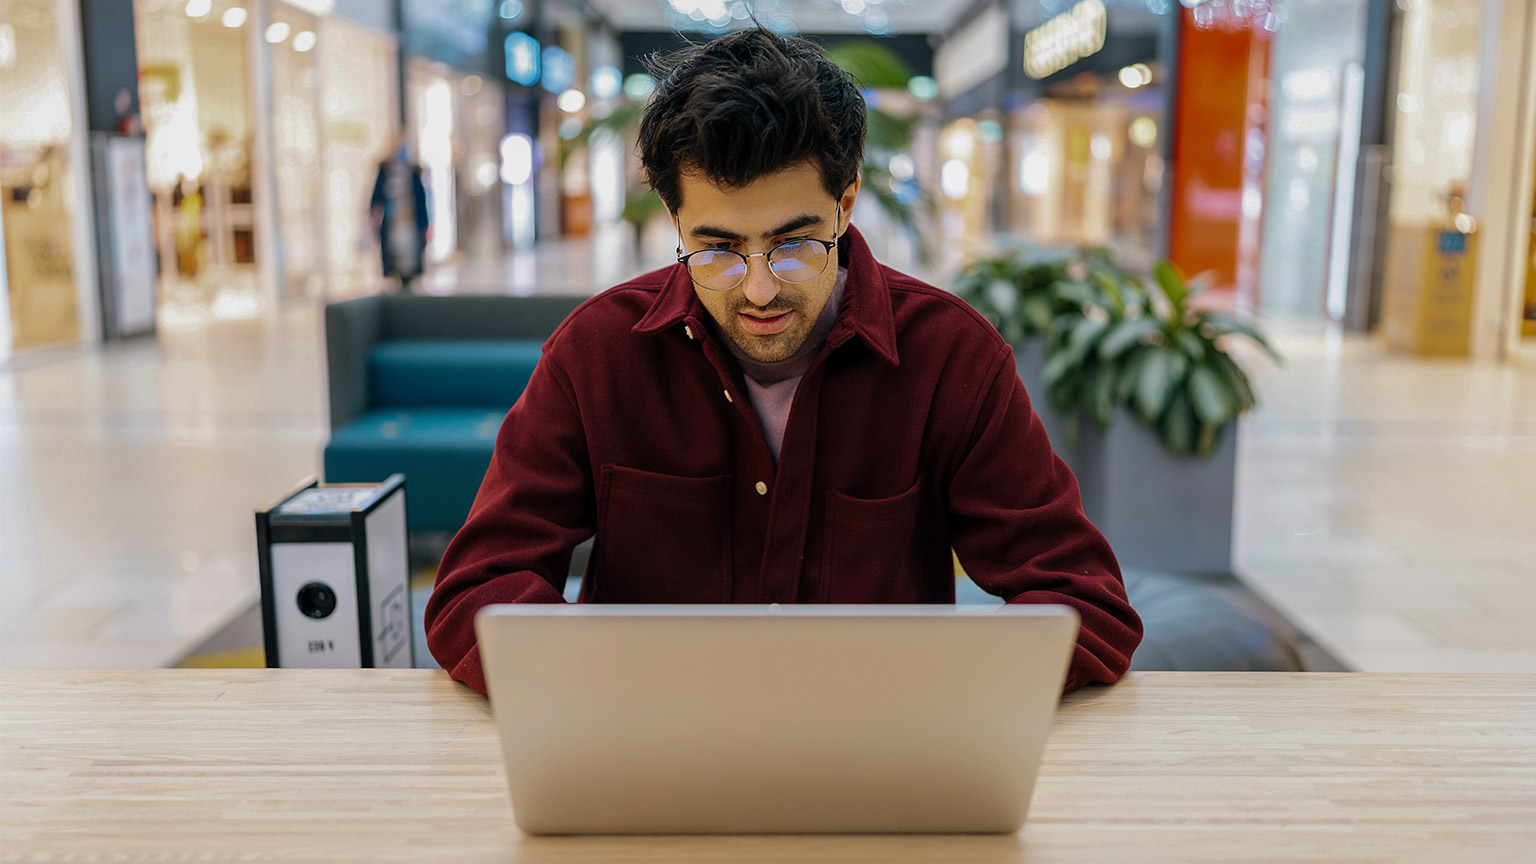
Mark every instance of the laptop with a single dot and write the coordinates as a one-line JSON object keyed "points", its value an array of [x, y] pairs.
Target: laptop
{"points": [[781, 719]]}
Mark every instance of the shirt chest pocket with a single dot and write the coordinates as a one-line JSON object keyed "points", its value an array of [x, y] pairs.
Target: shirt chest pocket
{"points": [[662, 538], [870, 554]]}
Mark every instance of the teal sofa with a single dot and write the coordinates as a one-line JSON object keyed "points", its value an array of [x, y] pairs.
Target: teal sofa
{"points": [[419, 385]]}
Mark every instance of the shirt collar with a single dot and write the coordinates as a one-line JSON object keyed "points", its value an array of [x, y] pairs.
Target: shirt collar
{"points": [[866, 308]]}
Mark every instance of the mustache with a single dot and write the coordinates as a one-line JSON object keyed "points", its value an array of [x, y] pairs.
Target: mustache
{"points": [[784, 302]]}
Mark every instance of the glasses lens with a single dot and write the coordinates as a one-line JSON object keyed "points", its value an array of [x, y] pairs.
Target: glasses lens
{"points": [[717, 269], [798, 260]]}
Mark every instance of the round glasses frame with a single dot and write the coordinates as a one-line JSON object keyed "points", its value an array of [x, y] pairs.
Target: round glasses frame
{"points": [[683, 258]]}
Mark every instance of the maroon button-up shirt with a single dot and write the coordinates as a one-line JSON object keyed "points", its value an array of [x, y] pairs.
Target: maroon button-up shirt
{"points": [[909, 436]]}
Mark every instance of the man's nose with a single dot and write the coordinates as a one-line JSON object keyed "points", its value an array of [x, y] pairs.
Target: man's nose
{"points": [[760, 286]]}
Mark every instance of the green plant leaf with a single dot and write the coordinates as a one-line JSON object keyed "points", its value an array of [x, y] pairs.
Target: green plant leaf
{"points": [[1178, 426], [641, 206], [1057, 365], [1236, 377], [1222, 324], [1159, 379], [1061, 397], [1077, 293], [1035, 309], [1099, 393], [1085, 334], [1124, 335], [1212, 398], [1062, 325], [1130, 373], [1040, 276], [887, 132], [1174, 287], [1193, 345], [1002, 295], [871, 62], [1110, 294]]}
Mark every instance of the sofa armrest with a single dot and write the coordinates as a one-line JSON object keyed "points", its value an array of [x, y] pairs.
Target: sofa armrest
{"points": [[352, 327]]}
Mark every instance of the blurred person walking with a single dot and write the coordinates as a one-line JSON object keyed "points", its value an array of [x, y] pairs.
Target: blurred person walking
{"points": [[398, 212]]}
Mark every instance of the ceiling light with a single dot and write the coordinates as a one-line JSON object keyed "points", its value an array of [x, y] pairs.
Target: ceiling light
{"points": [[235, 17], [278, 32], [199, 8], [304, 40]]}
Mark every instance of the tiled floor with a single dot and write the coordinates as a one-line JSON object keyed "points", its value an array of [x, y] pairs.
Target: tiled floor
{"points": [[128, 477], [1387, 505]]}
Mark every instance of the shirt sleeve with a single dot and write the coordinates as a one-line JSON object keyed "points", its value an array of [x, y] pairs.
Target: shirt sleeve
{"points": [[1018, 528], [534, 506]]}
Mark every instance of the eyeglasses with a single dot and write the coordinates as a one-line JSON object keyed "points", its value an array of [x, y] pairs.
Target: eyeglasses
{"points": [[793, 261]]}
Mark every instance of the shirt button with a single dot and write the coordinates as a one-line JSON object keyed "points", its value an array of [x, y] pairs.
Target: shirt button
{"points": [[762, 488], [688, 330], [728, 397]]}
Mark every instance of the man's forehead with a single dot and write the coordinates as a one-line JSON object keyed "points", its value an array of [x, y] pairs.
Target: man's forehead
{"points": [[761, 207]]}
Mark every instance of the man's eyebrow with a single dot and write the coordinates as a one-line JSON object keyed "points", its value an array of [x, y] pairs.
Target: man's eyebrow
{"points": [[803, 221]]}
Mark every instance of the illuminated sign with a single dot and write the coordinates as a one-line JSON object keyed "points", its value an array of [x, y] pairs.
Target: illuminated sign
{"points": [[522, 59], [1065, 39]]}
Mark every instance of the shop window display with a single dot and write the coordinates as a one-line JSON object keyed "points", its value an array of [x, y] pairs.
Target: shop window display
{"points": [[1086, 167], [36, 182], [193, 88]]}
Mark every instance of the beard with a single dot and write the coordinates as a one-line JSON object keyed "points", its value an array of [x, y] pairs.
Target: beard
{"points": [[774, 347]]}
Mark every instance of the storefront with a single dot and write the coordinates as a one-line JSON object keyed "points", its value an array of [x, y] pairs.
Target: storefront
{"points": [[454, 119], [194, 88], [1459, 241], [1086, 163], [971, 69], [1062, 136], [230, 86], [47, 278]]}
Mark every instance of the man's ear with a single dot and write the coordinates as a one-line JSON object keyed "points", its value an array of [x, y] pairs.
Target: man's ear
{"points": [[850, 197]]}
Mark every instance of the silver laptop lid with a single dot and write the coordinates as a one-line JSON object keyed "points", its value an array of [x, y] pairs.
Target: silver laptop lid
{"points": [[751, 719]]}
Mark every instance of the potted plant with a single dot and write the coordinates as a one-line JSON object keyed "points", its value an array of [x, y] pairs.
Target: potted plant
{"points": [[1139, 393], [1022, 293]]}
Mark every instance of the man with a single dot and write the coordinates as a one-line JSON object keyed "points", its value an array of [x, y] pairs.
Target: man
{"points": [[778, 418]]}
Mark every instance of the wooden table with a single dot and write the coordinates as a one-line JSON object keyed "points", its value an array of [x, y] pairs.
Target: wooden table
{"points": [[374, 766]]}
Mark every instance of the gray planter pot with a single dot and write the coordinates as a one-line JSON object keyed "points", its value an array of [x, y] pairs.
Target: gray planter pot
{"points": [[1159, 511]]}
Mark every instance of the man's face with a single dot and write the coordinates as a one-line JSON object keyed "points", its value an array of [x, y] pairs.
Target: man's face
{"points": [[768, 318]]}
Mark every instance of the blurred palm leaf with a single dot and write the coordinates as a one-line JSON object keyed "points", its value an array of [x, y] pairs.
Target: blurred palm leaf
{"points": [[874, 65]]}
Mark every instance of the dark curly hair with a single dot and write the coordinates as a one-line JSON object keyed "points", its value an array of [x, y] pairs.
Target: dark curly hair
{"points": [[749, 104]]}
